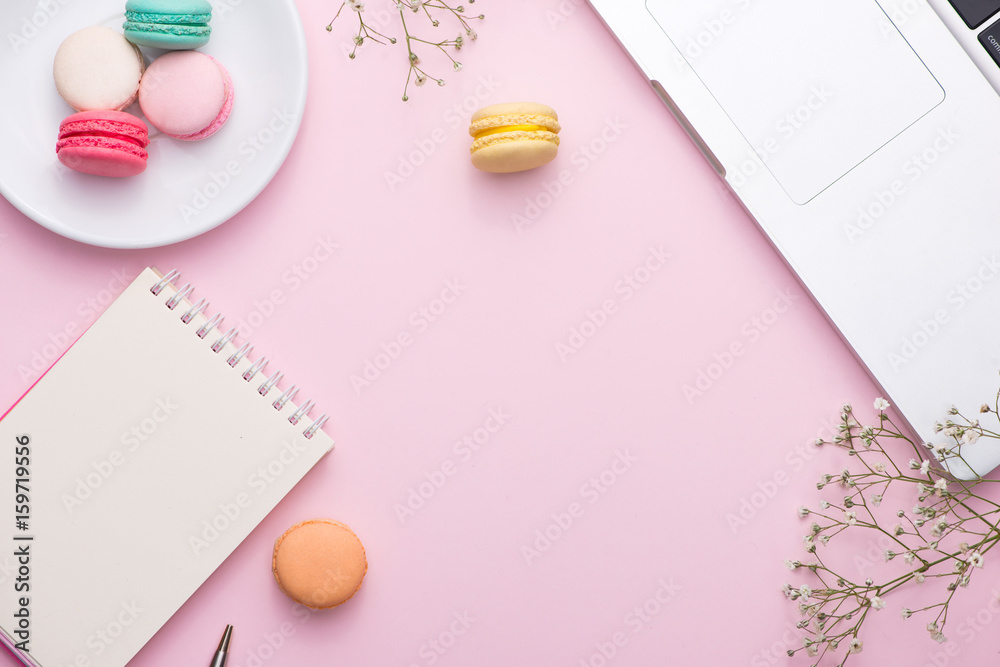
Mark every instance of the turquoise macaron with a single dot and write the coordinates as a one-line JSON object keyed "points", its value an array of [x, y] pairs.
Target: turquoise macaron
{"points": [[175, 25]]}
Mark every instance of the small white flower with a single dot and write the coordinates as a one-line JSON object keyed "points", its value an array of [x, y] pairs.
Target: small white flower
{"points": [[970, 437], [881, 404], [878, 603], [792, 564], [975, 559], [906, 612], [877, 500], [805, 592], [940, 486], [908, 557], [855, 646], [914, 464], [824, 505], [850, 518], [803, 512], [925, 467], [879, 467], [940, 451]]}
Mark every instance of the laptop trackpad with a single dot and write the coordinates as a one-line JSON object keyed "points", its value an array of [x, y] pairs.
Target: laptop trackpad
{"points": [[815, 86]]}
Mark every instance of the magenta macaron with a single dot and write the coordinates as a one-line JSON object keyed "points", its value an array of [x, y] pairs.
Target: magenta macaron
{"points": [[103, 143], [186, 95]]}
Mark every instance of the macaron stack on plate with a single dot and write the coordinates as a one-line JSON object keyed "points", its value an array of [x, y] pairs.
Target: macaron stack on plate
{"points": [[168, 24], [103, 143], [186, 95], [514, 137]]}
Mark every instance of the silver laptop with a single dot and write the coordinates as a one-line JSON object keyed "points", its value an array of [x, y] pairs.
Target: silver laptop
{"points": [[864, 138]]}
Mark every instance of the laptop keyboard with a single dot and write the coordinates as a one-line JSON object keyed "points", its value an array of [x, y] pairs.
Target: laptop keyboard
{"points": [[975, 12]]}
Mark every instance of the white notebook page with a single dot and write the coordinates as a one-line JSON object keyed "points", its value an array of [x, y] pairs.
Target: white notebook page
{"points": [[146, 452]]}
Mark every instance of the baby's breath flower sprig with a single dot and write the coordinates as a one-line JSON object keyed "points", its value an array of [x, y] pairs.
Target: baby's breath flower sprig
{"points": [[431, 10], [943, 538]]}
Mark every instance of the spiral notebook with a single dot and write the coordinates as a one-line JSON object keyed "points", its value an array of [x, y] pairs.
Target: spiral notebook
{"points": [[132, 469]]}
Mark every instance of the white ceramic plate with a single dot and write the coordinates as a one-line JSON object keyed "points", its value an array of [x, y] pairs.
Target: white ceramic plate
{"points": [[188, 187]]}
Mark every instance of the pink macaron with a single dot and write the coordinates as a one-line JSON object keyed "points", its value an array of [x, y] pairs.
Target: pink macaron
{"points": [[103, 143], [186, 95]]}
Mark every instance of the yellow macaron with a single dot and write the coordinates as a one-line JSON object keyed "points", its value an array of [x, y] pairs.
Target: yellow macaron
{"points": [[514, 137]]}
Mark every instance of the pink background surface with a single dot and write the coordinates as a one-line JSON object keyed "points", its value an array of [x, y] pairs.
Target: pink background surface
{"points": [[633, 183]]}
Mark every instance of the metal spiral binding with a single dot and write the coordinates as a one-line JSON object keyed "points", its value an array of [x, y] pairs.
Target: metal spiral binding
{"points": [[234, 359]]}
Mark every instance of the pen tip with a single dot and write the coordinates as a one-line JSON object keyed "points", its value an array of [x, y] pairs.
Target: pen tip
{"points": [[226, 638]]}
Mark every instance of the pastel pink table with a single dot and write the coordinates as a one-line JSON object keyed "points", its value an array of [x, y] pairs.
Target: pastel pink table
{"points": [[571, 405]]}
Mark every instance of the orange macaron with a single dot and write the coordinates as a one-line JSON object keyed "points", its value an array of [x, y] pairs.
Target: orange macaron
{"points": [[319, 563]]}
